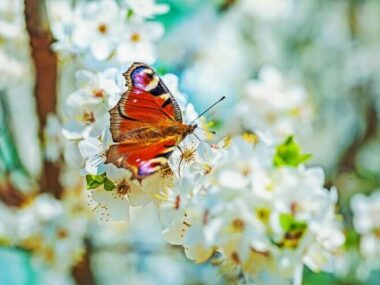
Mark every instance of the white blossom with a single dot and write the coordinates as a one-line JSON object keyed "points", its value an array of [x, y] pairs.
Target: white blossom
{"points": [[228, 212], [279, 109], [366, 211], [147, 8]]}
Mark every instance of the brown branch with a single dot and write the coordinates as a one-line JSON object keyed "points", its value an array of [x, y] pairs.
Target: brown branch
{"points": [[82, 271], [347, 162], [45, 63], [11, 196], [226, 4]]}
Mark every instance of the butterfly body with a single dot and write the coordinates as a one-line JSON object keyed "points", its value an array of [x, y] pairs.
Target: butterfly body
{"points": [[146, 124]]}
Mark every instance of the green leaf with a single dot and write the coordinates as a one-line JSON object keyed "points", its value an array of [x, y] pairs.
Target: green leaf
{"points": [[109, 185], [129, 13], [94, 181], [289, 154], [289, 224]]}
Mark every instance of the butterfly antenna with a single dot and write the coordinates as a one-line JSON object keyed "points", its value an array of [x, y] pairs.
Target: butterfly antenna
{"points": [[208, 109], [211, 132]]}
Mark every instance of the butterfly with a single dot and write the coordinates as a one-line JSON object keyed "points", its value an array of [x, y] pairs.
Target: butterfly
{"points": [[146, 124]]}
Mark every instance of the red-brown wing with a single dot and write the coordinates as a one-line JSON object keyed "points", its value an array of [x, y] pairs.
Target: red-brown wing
{"points": [[142, 158], [146, 103]]}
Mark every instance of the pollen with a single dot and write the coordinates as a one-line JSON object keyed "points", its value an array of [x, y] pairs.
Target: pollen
{"points": [[177, 202], [62, 233], [263, 215], [238, 225], [188, 155], [88, 117], [207, 169], [251, 138], [135, 37], [377, 233], [98, 93], [235, 257], [166, 171], [226, 142], [123, 188], [246, 170], [103, 28]]}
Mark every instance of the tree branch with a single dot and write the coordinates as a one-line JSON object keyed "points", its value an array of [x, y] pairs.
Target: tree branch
{"points": [[347, 162], [45, 63]]}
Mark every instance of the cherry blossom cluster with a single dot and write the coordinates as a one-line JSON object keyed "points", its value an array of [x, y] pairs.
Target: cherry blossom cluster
{"points": [[256, 204], [107, 31], [52, 230]]}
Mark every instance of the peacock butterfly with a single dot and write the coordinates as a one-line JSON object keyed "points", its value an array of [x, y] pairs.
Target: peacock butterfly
{"points": [[146, 124]]}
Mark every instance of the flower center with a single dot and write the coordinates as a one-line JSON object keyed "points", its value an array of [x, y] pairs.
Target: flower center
{"points": [[88, 117], [188, 155], [238, 225], [235, 257], [207, 169], [263, 215], [251, 138], [123, 188], [270, 117], [103, 28], [166, 171], [62, 233], [135, 37], [98, 93], [377, 232]]}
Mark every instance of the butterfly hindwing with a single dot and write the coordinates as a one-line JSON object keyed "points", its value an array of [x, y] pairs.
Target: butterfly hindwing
{"points": [[142, 159]]}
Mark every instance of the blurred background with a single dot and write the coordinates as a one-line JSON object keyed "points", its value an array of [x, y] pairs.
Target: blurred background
{"points": [[309, 68]]}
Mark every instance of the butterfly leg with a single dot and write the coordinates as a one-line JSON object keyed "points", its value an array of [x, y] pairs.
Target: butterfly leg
{"points": [[197, 137], [180, 161]]}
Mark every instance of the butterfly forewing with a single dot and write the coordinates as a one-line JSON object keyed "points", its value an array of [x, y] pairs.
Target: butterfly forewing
{"points": [[139, 121]]}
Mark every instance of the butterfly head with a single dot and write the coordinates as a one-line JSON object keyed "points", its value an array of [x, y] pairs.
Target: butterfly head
{"points": [[191, 128]]}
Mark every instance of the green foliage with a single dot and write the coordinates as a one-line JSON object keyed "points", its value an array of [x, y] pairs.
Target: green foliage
{"points": [[289, 154], [289, 224], [94, 181]]}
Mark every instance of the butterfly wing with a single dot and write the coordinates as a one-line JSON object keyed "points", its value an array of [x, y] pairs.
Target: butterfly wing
{"points": [[147, 102], [142, 158], [137, 120]]}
